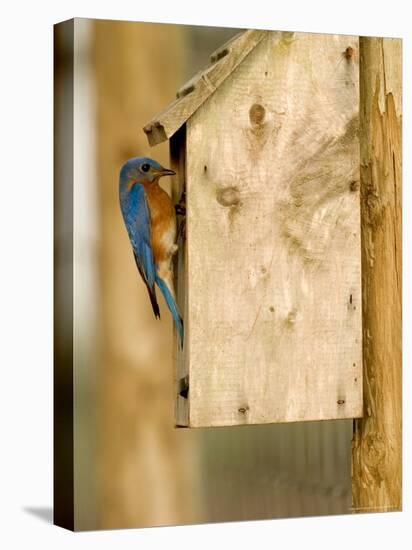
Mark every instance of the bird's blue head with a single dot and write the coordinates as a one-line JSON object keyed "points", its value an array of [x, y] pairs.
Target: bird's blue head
{"points": [[142, 170]]}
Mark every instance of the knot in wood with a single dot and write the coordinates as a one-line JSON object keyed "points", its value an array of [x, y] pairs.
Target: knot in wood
{"points": [[375, 454], [229, 196], [257, 114], [348, 53], [290, 319]]}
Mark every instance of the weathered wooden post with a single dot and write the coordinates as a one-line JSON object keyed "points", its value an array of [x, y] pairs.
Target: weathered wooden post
{"points": [[377, 445]]}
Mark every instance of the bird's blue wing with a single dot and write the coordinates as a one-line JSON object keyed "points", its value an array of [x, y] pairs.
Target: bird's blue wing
{"points": [[136, 215]]}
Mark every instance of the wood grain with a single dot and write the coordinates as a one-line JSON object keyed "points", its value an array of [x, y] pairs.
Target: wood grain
{"points": [[199, 88], [377, 445], [273, 238]]}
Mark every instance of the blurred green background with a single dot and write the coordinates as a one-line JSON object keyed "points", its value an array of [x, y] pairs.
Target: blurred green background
{"points": [[132, 468]]}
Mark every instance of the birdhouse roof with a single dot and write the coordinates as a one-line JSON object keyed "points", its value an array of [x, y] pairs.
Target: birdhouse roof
{"points": [[202, 85]]}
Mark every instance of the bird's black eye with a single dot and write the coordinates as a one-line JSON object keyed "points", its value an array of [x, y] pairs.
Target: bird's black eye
{"points": [[145, 167]]}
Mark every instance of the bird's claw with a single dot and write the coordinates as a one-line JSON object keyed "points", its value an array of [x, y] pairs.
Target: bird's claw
{"points": [[180, 210], [181, 230], [180, 207]]}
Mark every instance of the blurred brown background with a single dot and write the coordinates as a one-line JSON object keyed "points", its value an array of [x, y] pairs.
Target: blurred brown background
{"points": [[132, 468]]}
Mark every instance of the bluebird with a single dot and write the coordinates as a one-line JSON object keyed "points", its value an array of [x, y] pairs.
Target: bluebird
{"points": [[150, 220]]}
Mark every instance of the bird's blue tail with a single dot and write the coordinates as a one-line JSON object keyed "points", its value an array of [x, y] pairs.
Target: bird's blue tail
{"points": [[172, 306]]}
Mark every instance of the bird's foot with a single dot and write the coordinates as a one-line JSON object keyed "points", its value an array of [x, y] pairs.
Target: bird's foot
{"points": [[180, 207], [181, 230], [180, 210]]}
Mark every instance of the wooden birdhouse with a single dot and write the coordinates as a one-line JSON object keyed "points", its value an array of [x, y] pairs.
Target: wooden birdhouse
{"points": [[268, 274]]}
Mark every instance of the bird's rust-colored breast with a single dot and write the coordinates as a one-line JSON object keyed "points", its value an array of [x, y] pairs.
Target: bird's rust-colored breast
{"points": [[163, 220]]}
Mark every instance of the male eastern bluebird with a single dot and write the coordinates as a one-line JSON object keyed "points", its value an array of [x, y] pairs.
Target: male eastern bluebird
{"points": [[150, 220]]}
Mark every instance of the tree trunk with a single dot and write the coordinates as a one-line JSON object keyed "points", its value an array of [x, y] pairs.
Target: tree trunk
{"points": [[142, 475]]}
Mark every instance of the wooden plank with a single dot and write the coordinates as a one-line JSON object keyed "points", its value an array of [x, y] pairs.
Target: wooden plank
{"points": [[199, 88], [178, 163], [377, 443], [273, 227]]}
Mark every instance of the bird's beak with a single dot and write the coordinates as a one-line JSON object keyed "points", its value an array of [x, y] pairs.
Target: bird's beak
{"points": [[164, 172]]}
